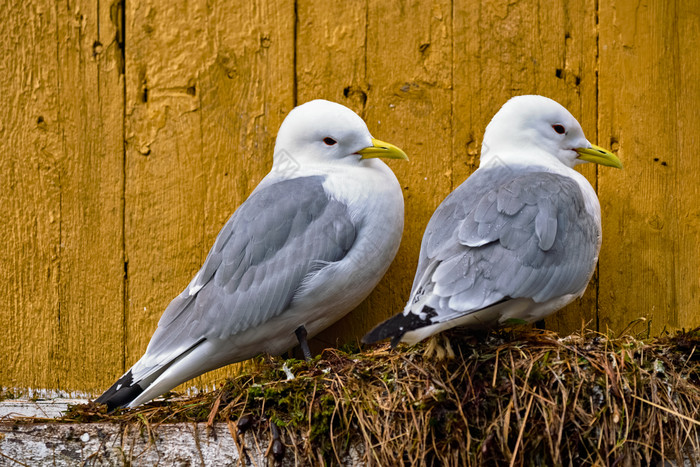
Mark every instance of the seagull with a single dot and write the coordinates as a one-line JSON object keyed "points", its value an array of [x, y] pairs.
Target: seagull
{"points": [[307, 246], [519, 239]]}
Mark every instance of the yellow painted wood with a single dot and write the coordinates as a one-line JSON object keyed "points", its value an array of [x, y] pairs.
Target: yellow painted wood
{"points": [[207, 86], [142, 157], [409, 104], [90, 108], [246, 93], [503, 50], [165, 183], [31, 148], [60, 142], [649, 112]]}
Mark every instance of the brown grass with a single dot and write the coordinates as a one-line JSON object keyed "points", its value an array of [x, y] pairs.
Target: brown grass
{"points": [[519, 398]]}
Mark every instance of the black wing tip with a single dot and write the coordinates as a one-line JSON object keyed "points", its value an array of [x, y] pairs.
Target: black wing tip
{"points": [[384, 330], [398, 325], [121, 393]]}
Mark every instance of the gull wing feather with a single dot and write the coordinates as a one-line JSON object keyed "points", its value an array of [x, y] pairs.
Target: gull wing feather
{"points": [[499, 236], [278, 237]]}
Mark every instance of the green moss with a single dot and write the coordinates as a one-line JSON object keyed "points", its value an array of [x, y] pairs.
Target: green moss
{"points": [[589, 399]]}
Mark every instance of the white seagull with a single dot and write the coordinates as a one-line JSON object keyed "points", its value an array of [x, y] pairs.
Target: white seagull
{"points": [[309, 244], [519, 239]]}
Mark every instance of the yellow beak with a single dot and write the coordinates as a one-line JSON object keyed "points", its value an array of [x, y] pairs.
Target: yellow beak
{"points": [[382, 149], [598, 155]]}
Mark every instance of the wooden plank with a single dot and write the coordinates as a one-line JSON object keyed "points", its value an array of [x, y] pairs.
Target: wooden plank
{"points": [[67, 445], [112, 444], [368, 65], [30, 146], [649, 94], [91, 111], [336, 71], [207, 86], [13, 409], [409, 83], [686, 50], [165, 185], [62, 164], [506, 49]]}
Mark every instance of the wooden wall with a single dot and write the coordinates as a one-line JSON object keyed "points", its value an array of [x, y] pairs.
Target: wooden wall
{"points": [[130, 131]]}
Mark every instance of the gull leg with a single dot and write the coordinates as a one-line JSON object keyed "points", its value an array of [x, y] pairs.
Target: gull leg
{"points": [[440, 351], [301, 336], [432, 349], [448, 348]]}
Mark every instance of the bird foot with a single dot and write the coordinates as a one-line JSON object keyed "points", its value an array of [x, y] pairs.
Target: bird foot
{"points": [[301, 336], [439, 351]]}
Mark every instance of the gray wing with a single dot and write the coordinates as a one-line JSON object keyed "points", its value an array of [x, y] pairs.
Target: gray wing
{"points": [[280, 235], [501, 236]]}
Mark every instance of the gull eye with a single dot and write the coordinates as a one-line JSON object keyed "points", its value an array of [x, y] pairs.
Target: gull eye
{"points": [[329, 141], [559, 128]]}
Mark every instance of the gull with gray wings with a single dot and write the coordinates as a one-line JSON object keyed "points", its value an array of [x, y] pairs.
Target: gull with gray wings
{"points": [[309, 244], [519, 239]]}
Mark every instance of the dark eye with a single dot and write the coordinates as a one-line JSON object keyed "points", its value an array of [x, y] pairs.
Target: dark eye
{"points": [[329, 141], [559, 129]]}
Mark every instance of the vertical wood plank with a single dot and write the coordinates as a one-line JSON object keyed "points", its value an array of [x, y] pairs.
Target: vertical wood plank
{"points": [[90, 327], [649, 96], [686, 49], [61, 165], [507, 49], [247, 90], [30, 144], [208, 84], [336, 71], [165, 183], [409, 83]]}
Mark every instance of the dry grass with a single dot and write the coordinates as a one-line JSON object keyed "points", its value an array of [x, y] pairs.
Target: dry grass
{"points": [[523, 398]]}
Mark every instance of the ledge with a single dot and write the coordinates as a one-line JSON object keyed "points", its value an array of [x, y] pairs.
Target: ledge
{"points": [[111, 444], [509, 397]]}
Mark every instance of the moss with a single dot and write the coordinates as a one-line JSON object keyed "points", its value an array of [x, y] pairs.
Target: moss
{"points": [[523, 396]]}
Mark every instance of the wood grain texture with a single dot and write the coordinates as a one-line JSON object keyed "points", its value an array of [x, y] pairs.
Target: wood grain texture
{"points": [[31, 227], [247, 88], [122, 156], [649, 95], [165, 183], [207, 87], [91, 250], [403, 83], [62, 169]]}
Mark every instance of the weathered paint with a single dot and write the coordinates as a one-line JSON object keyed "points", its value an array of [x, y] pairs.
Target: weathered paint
{"points": [[649, 110], [129, 136], [61, 157]]}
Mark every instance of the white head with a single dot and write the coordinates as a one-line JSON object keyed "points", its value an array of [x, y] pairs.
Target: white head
{"points": [[323, 132], [536, 129]]}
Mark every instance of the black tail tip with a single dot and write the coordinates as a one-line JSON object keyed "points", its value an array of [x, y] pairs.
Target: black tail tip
{"points": [[385, 330], [121, 394], [398, 325]]}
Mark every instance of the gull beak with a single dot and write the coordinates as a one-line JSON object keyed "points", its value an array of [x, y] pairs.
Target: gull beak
{"points": [[382, 149], [598, 155]]}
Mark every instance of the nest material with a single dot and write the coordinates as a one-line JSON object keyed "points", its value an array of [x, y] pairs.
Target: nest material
{"points": [[525, 398]]}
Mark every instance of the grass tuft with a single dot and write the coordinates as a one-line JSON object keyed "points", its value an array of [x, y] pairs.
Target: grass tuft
{"points": [[508, 398]]}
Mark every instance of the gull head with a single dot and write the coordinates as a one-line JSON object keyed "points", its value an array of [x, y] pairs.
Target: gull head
{"points": [[535, 130], [324, 132]]}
